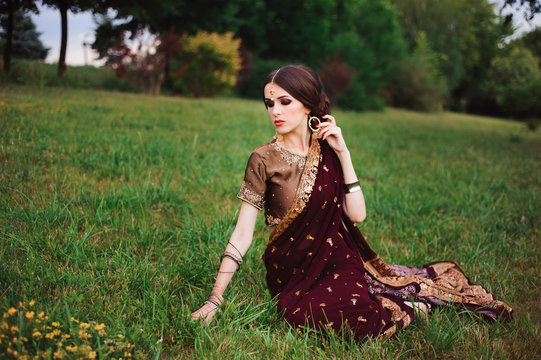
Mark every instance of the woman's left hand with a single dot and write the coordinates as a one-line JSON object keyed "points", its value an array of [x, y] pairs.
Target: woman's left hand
{"points": [[332, 133]]}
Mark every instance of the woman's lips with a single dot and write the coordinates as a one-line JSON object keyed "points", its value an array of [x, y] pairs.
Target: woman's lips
{"points": [[279, 122]]}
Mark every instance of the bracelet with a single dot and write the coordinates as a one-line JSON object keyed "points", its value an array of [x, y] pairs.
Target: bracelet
{"points": [[215, 299], [353, 187], [230, 243], [233, 257]]}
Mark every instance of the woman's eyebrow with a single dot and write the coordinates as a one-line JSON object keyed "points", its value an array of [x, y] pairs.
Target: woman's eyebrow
{"points": [[278, 98]]}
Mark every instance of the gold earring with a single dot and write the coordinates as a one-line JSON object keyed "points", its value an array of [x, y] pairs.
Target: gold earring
{"points": [[312, 119]]}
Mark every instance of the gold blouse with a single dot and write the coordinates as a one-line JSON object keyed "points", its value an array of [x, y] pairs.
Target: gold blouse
{"points": [[271, 180]]}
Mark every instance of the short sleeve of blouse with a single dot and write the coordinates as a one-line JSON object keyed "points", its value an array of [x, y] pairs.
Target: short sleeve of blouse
{"points": [[254, 185]]}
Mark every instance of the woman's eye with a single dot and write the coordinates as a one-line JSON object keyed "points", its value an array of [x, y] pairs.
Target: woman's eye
{"points": [[286, 102], [269, 103]]}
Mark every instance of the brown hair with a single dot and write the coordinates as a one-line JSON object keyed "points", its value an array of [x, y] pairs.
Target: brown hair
{"points": [[303, 84]]}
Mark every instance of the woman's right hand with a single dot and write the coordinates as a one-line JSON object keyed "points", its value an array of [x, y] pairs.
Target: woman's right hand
{"points": [[206, 312]]}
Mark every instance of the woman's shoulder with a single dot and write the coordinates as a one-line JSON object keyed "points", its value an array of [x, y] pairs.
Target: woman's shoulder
{"points": [[265, 150]]}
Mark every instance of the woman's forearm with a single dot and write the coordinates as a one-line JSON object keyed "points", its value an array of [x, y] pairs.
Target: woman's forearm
{"points": [[228, 267], [354, 205]]}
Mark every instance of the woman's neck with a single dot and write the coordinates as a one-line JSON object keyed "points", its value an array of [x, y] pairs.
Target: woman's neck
{"points": [[294, 142]]}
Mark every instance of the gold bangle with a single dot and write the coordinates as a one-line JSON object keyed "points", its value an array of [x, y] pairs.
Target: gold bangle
{"points": [[353, 187], [233, 257]]}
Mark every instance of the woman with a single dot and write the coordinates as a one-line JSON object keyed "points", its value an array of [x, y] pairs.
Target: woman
{"points": [[319, 267]]}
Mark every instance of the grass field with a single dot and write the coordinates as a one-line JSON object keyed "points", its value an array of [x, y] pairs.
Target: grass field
{"points": [[115, 209]]}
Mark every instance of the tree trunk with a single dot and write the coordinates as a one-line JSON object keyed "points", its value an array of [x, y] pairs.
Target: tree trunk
{"points": [[9, 37], [63, 7]]}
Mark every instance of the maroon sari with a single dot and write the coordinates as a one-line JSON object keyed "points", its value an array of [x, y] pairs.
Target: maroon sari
{"points": [[323, 273]]}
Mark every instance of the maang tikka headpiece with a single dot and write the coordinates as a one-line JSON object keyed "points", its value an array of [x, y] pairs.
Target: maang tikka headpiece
{"points": [[272, 83]]}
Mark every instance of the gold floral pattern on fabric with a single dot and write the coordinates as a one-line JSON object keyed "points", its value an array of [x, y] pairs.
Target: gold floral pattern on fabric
{"points": [[251, 197], [304, 190], [271, 220], [398, 316], [289, 156], [449, 286]]}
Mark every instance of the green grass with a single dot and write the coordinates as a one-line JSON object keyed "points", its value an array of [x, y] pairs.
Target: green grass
{"points": [[37, 73], [115, 209]]}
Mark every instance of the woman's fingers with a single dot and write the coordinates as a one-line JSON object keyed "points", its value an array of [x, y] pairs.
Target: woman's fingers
{"points": [[327, 130], [206, 312], [329, 118]]}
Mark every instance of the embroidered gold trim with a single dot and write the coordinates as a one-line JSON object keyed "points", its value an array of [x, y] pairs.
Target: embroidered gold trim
{"points": [[289, 156], [251, 197], [271, 220], [304, 190], [450, 285]]}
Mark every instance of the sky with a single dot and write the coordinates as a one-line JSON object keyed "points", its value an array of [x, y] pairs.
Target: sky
{"points": [[81, 29]]}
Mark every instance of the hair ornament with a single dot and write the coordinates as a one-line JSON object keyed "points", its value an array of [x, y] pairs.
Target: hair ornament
{"points": [[272, 83]]}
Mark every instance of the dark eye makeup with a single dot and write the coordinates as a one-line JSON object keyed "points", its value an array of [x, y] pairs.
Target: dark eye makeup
{"points": [[270, 103]]}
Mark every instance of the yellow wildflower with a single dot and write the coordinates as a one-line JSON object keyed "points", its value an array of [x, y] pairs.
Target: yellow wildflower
{"points": [[99, 327], [91, 355], [4, 326], [72, 349], [57, 354], [74, 320], [11, 311], [83, 334], [120, 336], [66, 336], [14, 329], [85, 348], [31, 303], [29, 315], [37, 335], [84, 325], [41, 314], [56, 324]]}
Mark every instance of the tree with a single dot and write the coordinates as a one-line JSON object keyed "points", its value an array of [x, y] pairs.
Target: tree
{"points": [[418, 83], [466, 32], [64, 6], [173, 16], [515, 83], [9, 7], [26, 43], [531, 41], [533, 7]]}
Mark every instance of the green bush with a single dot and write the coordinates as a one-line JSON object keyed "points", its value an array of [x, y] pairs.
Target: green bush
{"points": [[417, 83], [207, 64], [514, 83]]}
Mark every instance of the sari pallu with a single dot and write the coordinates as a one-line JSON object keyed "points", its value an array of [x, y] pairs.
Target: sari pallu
{"points": [[324, 274]]}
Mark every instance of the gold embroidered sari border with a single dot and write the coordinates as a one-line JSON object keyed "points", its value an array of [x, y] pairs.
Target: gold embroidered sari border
{"points": [[304, 190]]}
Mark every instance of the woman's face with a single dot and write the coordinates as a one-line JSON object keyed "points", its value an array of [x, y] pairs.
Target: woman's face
{"points": [[288, 114]]}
